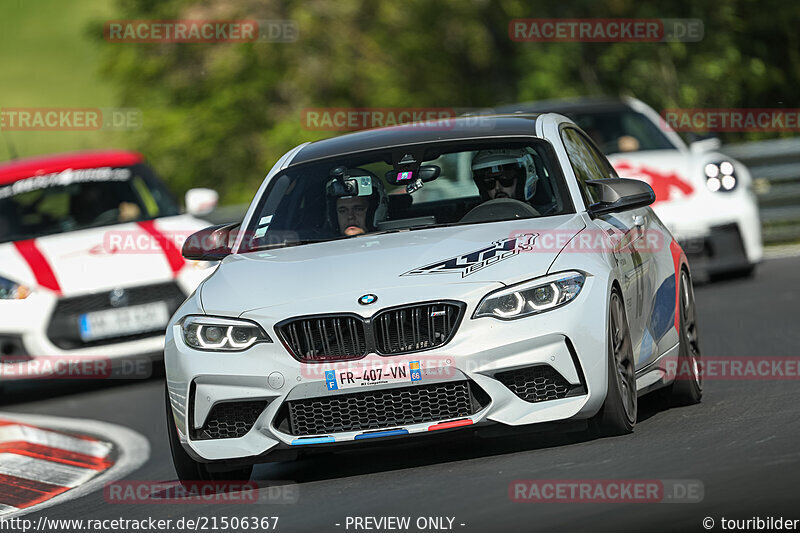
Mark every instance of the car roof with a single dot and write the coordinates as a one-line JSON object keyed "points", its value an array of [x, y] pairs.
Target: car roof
{"points": [[16, 169], [592, 104], [453, 129]]}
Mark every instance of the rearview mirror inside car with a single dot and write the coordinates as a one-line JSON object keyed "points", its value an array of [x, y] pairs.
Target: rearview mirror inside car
{"points": [[620, 194], [425, 173], [212, 243]]}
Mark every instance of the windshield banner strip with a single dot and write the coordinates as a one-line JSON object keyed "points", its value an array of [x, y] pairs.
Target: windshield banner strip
{"points": [[171, 252], [45, 276]]}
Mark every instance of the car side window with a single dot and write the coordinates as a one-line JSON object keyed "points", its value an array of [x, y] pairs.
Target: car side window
{"points": [[601, 160], [584, 162]]}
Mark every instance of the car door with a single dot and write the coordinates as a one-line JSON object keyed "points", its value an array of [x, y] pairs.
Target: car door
{"points": [[628, 231], [647, 242]]}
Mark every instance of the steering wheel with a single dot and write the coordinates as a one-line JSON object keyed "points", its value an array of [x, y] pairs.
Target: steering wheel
{"points": [[500, 209], [110, 215]]}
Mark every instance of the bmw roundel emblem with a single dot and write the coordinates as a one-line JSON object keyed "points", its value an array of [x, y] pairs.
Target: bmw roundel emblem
{"points": [[368, 299], [118, 298]]}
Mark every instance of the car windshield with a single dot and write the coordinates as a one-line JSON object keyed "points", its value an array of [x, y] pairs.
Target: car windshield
{"points": [[76, 199], [626, 131], [408, 188]]}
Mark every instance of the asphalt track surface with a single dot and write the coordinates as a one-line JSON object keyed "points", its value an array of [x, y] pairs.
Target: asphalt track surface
{"points": [[741, 442]]}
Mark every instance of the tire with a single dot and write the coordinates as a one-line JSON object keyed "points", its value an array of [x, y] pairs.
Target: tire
{"points": [[687, 389], [189, 470], [617, 416]]}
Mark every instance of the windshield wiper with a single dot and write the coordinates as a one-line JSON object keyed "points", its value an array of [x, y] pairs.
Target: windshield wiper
{"points": [[288, 244], [412, 228], [443, 225]]}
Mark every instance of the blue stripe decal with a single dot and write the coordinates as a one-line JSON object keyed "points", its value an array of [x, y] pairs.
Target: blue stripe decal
{"points": [[663, 317], [376, 434], [313, 440]]}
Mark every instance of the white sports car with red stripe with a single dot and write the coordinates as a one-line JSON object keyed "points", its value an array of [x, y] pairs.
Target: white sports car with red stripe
{"points": [[705, 197], [90, 262]]}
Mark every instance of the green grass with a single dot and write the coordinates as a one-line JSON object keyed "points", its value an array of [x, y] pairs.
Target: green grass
{"points": [[47, 59]]}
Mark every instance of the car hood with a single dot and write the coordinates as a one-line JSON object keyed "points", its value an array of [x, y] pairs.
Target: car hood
{"points": [[434, 262], [98, 259], [671, 173]]}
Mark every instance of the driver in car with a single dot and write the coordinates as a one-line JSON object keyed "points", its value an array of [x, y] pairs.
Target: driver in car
{"points": [[505, 174], [356, 215], [95, 200], [511, 174]]}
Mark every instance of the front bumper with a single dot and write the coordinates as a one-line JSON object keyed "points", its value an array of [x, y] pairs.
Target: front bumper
{"points": [[491, 358], [720, 232], [721, 250], [39, 336]]}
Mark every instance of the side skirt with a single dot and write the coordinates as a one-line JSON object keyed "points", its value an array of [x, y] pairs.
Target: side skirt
{"points": [[656, 374]]}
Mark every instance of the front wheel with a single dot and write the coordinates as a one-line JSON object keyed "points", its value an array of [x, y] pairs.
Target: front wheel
{"points": [[189, 470], [618, 414]]}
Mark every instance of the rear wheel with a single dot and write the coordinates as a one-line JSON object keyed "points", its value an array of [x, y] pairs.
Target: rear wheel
{"points": [[618, 414], [687, 388], [189, 470]]}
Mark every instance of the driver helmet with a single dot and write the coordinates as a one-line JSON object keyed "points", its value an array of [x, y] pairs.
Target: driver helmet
{"points": [[508, 164], [378, 210]]}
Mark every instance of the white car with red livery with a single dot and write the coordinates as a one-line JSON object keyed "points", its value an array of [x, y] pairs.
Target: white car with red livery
{"points": [[90, 262], [706, 198]]}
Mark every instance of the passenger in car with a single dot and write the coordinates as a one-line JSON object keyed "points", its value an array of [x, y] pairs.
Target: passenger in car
{"points": [[351, 213], [356, 215]]}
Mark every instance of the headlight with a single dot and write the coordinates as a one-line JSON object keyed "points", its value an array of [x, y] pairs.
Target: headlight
{"points": [[720, 176], [10, 290], [221, 334], [532, 297]]}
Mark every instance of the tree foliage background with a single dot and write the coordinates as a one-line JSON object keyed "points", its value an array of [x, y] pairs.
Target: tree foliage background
{"points": [[219, 115]]}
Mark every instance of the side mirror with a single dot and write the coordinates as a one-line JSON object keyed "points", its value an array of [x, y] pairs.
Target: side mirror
{"points": [[212, 243], [201, 202], [702, 142], [620, 194]]}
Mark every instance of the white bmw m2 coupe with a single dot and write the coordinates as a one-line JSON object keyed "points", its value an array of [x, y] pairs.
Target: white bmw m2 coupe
{"points": [[429, 278]]}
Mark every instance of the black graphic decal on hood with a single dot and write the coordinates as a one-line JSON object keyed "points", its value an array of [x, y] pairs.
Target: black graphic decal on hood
{"points": [[479, 259]]}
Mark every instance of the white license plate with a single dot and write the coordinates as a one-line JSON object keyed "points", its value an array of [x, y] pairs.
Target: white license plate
{"points": [[123, 321], [373, 374]]}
